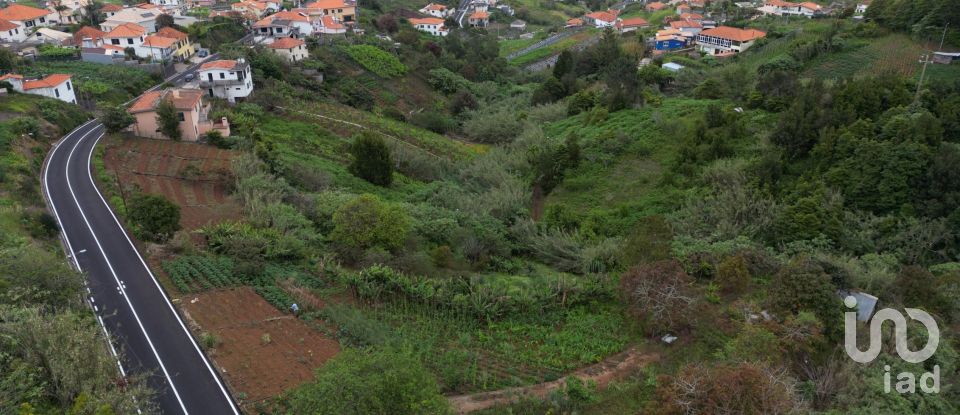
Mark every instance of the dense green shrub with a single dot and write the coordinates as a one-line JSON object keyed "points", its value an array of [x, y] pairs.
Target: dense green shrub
{"points": [[366, 222], [377, 382], [155, 217]]}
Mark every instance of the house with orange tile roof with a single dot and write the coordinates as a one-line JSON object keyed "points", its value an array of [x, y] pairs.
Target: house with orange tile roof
{"points": [[655, 6], [126, 35], [575, 22], [255, 8], [11, 32], [328, 25], [630, 24], [479, 18], [146, 18], [192, 110], [786, 8], [184, 48], [438, 10], [88, 37], [158, 48], [227, 79], [26, 17], [110, 9], [600, 19], [432, 25], [726, 40], [282, 24], [344, 11], [291, 49], [57, 86]]}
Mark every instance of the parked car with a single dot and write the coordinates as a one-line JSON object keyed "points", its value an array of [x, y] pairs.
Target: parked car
{"points": [[189, 77]]}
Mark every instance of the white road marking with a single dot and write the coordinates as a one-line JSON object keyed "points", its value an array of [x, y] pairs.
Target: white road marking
{"points": [[163, 294], [112, 271]]}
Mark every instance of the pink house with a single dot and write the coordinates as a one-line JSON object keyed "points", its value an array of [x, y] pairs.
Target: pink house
{"points": [[192, 110]]}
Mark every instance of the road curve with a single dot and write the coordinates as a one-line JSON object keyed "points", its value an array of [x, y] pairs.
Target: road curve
{"points": [[127, 298]]}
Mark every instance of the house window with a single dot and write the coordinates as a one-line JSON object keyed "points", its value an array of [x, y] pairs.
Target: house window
{"points": [[43, 19], [68, 86], [129, 41], [29, 23], [115, 41], [222, 75], [56, 92], [180, 116]]}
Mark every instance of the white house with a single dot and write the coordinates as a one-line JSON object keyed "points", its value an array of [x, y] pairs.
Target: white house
{"points": [[158, 48], [127, 35], [53, 37], [431, 25], [227, 79], [283, 24], [25, 16], [56, 86], [168, 3], [71, 10], [726, 40], [291, 49], [146, 18], [11, 32], [438, 10], [111, 9], [785, 8], [861, 9], [601, 19]]}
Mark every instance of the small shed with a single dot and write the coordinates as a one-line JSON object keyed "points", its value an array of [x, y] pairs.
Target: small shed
{"points": [[518, 25], [946, 58]]}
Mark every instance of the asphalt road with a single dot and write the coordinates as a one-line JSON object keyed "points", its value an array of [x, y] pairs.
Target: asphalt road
{"points": [[128, 301]]}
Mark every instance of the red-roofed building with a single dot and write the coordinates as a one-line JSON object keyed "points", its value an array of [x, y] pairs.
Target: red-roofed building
{"points": [[88, 37], [575, 22], [631, 24], [786, 8], [192, 110], [283, 24], [431, 25], [110, 9], [655, 6], [343, 10], [11, 32], [25, 16], [58, 86], [293, 50], [184, 48], [438, 10], [227, 79], [479, 19], [600, 19], [725, 40]]}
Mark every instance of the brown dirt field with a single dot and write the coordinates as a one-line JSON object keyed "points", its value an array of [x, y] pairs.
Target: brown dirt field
{"points": [[157, 166], [613, 368], [240, 318]]}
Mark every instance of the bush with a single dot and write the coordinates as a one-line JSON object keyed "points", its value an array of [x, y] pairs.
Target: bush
{"points": [[154, 216], [659, 293], [116, 119], [366, 222], [371, 159], [380, 382]]}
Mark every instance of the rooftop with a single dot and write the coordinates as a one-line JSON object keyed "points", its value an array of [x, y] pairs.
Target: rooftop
{"points": [[182, 99], [51, 81], [733, 33], [19, 12], [286, 43]]}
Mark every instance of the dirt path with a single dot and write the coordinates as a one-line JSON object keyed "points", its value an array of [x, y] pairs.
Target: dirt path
{"points": [[613, 368], [536, 203]]}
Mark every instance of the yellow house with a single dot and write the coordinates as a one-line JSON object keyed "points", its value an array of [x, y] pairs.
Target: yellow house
{"points": [[344, 11], [184, 47]]}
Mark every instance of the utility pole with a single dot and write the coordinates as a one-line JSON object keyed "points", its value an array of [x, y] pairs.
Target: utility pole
{"points": [[943, 36], [925, 59]]}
